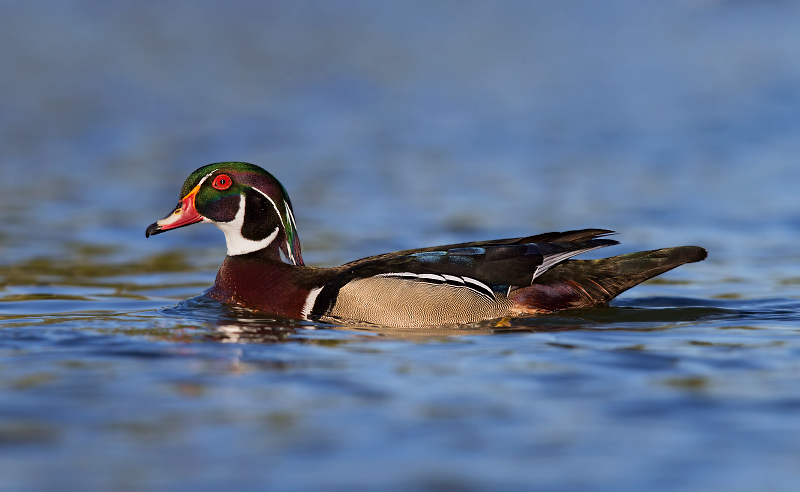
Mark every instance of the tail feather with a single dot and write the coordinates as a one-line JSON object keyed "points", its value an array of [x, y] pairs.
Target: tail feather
{"points": [[586, 283]]}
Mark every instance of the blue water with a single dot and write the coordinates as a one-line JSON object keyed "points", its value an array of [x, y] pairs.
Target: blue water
{"points": [[396, 126]]}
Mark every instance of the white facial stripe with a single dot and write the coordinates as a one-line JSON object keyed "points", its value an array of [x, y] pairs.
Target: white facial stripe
{"points": [[206, 177], [238, 244], [270, 201], [172, 218], [310, 300], [280, 219], [291, 215], [167, 221]]}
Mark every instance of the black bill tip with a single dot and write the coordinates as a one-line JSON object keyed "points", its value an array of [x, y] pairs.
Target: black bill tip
{"points": [[153, 229]]}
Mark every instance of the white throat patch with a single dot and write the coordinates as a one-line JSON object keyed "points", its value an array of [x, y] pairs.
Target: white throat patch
{"points": [[238, 244]]}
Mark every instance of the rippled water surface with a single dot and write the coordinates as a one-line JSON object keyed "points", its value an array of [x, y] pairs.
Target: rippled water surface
{"points": [[394, 127]]}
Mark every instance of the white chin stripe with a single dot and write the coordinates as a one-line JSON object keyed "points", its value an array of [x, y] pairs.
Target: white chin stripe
{"points": [[238, 244]]}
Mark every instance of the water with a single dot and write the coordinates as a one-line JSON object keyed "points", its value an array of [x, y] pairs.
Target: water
{"points": [[395, 127]]}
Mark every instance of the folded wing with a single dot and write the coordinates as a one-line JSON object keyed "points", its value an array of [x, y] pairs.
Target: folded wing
{"points": [[461, 279]]}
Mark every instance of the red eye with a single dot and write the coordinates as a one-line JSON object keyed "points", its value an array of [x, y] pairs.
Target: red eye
{"points": [[221, 182]]}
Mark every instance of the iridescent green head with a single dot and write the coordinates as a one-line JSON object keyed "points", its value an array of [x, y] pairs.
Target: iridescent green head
{"points": [[246, 202]]}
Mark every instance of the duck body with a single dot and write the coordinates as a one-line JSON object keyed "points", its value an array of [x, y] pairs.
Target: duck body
{"points": [[443, 285]]}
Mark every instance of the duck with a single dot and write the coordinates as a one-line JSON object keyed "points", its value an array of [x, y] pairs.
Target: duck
{"points": [[455, 284]]}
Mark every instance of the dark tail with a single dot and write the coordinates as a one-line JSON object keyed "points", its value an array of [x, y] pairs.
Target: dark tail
{"points": [[586, 283]]}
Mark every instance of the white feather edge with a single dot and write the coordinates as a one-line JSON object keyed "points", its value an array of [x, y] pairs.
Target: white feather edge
{"points": [[476, 285], [552, 260]]}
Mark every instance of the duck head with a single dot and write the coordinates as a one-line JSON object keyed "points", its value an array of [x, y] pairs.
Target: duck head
{"points": [[246, 202]]}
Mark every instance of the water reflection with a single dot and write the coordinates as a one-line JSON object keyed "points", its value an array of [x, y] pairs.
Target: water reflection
{"points": [[235, 324], [92, 289]]}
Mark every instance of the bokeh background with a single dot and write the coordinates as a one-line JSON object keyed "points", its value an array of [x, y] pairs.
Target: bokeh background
{"points": [[396, 125], [421, 120]]}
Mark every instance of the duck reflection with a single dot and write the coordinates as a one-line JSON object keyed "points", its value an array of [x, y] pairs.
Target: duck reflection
{"points": [[233, 324]]}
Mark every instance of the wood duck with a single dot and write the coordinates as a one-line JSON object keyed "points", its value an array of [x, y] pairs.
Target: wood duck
{"points": [[443, 285]]}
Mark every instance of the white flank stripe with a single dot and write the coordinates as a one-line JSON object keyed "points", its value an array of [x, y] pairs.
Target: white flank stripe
{"points": [[310, 300], [453, 278], [398, 274], [485, 289], [475, 285], [431, 276]]}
